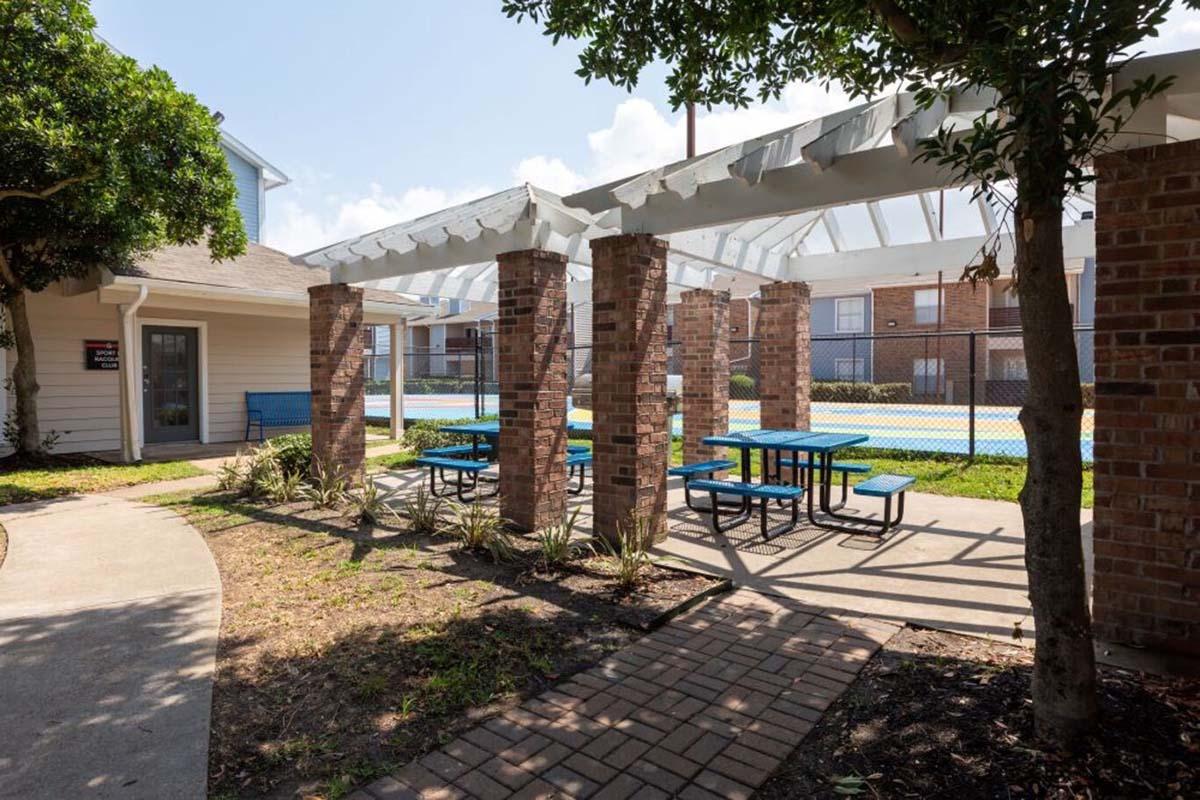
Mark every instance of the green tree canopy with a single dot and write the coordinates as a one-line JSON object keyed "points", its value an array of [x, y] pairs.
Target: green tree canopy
{"points": [[100, 162]]}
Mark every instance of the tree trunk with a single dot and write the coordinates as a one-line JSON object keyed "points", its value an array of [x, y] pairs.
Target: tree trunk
{"points": [[25, 385], [1064, 674]]}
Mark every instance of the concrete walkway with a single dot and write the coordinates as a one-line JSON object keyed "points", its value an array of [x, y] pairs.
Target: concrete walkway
{"points": [[109, 613], [704, 708]]}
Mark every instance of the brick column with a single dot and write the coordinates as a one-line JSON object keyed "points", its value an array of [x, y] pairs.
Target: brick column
{"points": [[1146, 587], [335, 314], [533, 387], [784, 360], [702, 322], [629, 381]]}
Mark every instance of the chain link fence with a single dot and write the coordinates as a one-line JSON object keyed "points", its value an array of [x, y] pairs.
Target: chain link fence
{"points": [[955, 393]]}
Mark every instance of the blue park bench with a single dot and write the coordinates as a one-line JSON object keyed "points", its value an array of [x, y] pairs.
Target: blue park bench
{"points": [[846, 468], [277, 410], [763, 492], [887, 487], [461, 467], [703, 468]]}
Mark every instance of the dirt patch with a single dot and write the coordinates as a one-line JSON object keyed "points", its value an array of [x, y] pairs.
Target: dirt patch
{"points": [[345, 651], [17, 462], [935, 715]]}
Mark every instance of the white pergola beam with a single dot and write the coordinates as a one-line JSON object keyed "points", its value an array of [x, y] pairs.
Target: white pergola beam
{"points": [[870, 175], [879, 223], [926, 258], [931, 217], [834, 229], [726, 250]]}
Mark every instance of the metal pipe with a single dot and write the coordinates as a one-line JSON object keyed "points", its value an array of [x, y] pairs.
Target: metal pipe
{"points": [[691, 130], [131, 449]]}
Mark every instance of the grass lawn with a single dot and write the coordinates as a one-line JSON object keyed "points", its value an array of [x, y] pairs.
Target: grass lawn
{"points": [[44, 483], [987, 478], [345, 651]]}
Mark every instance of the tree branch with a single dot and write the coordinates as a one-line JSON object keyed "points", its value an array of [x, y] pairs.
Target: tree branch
{"points": [[49, 191], [897, 19], [905, 28]]}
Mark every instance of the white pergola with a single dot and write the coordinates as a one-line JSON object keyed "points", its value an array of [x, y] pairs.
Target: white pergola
{"points": [[833, 199]]}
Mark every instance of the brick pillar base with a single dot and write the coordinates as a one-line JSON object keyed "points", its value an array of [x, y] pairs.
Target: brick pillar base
{"points": [[335, 314], [629, 382], [533, 387], [1147, 427], [702, 320], [784, 356]]}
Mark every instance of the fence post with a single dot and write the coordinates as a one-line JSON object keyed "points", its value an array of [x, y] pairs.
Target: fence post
{"points": [[478, 383], [971, 397]]}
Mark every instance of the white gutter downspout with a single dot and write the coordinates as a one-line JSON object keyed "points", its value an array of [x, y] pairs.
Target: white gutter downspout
{"points": [[131, 450]]}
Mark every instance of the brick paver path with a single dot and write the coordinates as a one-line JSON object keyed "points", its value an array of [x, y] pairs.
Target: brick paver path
{"points": [[704, 708]]}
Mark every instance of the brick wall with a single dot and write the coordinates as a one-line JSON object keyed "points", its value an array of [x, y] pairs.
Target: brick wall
{"points": [[702, 323], [629, 369], [965, 308], [785, 355], [1147, 469], [532, 362], [335, 315]]}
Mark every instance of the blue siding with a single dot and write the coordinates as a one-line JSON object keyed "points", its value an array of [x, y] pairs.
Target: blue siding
{"points": [[825, 353], [245, 175], [1087, 318]]}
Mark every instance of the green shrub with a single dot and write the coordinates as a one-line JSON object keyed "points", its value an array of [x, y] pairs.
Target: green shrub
{"points": [[377, 387], [846, 392], [742, 387], [293, 453], [425, 433]]}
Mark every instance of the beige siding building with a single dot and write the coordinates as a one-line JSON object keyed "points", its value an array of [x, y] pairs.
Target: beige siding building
{"points": [[195, 337]]}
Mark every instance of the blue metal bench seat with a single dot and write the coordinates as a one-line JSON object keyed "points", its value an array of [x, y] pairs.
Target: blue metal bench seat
{"points": [[572, 449], [578, 463], [701, 468], [456, 450], [846, 468], [438, 466], [837, 466], [887, 487], [277, 410], [763, 492]]}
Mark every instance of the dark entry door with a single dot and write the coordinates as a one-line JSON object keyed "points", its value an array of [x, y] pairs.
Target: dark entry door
{"points": [[170, 381]]}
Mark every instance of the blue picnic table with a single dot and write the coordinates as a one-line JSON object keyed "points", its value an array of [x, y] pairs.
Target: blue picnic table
{"points": [[820, 448], [490, 431]]}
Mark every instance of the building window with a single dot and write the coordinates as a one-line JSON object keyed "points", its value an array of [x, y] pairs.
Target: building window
{"points": [[427, 300], [849, 369], [850, 314], [925, 301], [1014, 369], [928, 373]]}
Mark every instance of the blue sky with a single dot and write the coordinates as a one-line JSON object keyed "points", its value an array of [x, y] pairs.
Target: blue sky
{"points": [[381, 110]]}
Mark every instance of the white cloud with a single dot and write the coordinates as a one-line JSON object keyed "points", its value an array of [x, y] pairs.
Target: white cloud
{"points": [[641, 137], [549, 173], [1180, 31], [296, 227]]}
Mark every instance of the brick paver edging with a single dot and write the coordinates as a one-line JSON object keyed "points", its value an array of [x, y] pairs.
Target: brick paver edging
{"points": [[705, 707]]}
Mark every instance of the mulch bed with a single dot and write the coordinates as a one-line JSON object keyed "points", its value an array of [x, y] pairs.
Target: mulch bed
{"points": [[346, 651], [935, 715]]}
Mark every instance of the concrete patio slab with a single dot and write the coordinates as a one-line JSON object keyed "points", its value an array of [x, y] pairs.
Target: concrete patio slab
{"points": [[109, 613], [955, 564]]}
